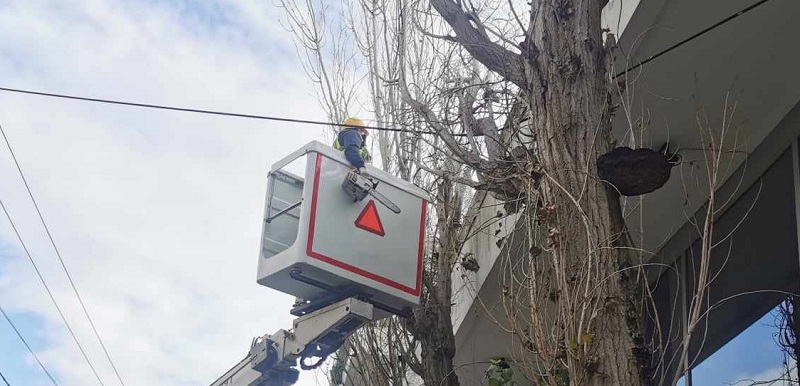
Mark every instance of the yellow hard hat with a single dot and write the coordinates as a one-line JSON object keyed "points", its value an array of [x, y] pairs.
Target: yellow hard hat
{"points": [[353, 122]]}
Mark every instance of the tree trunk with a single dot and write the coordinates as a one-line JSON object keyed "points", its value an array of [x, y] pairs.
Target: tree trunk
{"points": [[431, 323], [561, 71], [568, 94], [437, 357]]}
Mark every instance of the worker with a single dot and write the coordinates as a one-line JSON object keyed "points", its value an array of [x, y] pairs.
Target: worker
{"points": [[352, 139]]}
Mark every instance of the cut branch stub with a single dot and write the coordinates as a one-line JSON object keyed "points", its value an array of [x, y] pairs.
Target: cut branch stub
{"points": [[509, 178], [634, 171], [470, 263]]}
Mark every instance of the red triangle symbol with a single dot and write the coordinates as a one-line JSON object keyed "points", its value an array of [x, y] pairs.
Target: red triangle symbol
{"points": [[369, 220]]}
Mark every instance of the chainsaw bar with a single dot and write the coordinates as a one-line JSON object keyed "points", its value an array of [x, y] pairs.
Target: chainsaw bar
{"points": [[383, 200]]}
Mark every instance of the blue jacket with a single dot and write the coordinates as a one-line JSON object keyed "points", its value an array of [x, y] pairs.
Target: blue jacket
{"points": [[351, 141]]}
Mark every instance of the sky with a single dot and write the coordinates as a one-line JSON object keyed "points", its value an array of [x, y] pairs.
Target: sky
{"points": [[752, 355], [157, 214]]}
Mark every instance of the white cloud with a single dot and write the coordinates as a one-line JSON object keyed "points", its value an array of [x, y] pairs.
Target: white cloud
{"points": [[776, 376], [157, 214]]}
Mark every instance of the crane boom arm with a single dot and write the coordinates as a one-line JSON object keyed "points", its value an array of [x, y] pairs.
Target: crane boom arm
{"points": [[241, 374], [272, 358]]}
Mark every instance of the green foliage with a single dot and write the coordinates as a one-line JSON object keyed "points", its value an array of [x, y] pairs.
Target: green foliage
{"points": [[500, 373], [561, 376]]}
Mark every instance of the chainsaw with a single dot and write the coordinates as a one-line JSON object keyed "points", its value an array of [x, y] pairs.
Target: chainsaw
{"points": [[359, 186]]}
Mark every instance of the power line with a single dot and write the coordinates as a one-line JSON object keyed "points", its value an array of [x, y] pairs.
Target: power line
{"points": [[61, 260], [4, 379], [47, 288], [690, 38], [377, 128], [202, 111], [28, 346]]}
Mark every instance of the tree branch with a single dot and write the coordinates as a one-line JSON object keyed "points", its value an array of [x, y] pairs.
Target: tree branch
{"points": [[472, 159], [495, 57], [439, 173]]}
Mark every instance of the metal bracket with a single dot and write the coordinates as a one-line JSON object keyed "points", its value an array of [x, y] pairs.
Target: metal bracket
{"points": [[284, 211], [335, 293]]}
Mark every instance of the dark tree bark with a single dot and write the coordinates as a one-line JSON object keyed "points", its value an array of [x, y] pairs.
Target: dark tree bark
{"points": [[431, 324]]}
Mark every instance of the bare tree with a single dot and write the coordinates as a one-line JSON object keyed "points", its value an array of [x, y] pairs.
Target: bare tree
{"points": [[324, 52], [424, 343], [560, 69], [789, 329], [521, 103]]}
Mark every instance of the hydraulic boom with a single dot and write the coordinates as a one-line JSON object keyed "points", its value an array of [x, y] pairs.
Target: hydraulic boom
{"points": [[272, 358]]}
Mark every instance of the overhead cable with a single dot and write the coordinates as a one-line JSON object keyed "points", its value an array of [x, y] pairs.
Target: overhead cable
{"points": [[212, 112], [60, 259], [28, 346], [47, 288], [377, 128], [690, 38], [4, 379]]}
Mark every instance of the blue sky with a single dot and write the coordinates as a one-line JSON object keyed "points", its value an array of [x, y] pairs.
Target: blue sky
{"points": [[17, 365], [752, 354]]}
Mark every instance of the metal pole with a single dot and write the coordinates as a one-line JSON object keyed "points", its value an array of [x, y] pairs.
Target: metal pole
{"points": [[282, 212]]}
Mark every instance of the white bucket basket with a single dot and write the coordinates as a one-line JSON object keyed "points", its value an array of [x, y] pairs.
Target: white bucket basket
{"points": [[317, 241]]}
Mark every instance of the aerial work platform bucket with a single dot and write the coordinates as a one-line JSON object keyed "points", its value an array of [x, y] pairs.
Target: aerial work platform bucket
{"points": [[319, 243]]}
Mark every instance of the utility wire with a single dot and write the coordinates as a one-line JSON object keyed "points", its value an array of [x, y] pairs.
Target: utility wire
{"points": [[212, 112], [690, 38], [61, 260], [4, 379], [26, 345], [377, 128], [47, 288]]}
